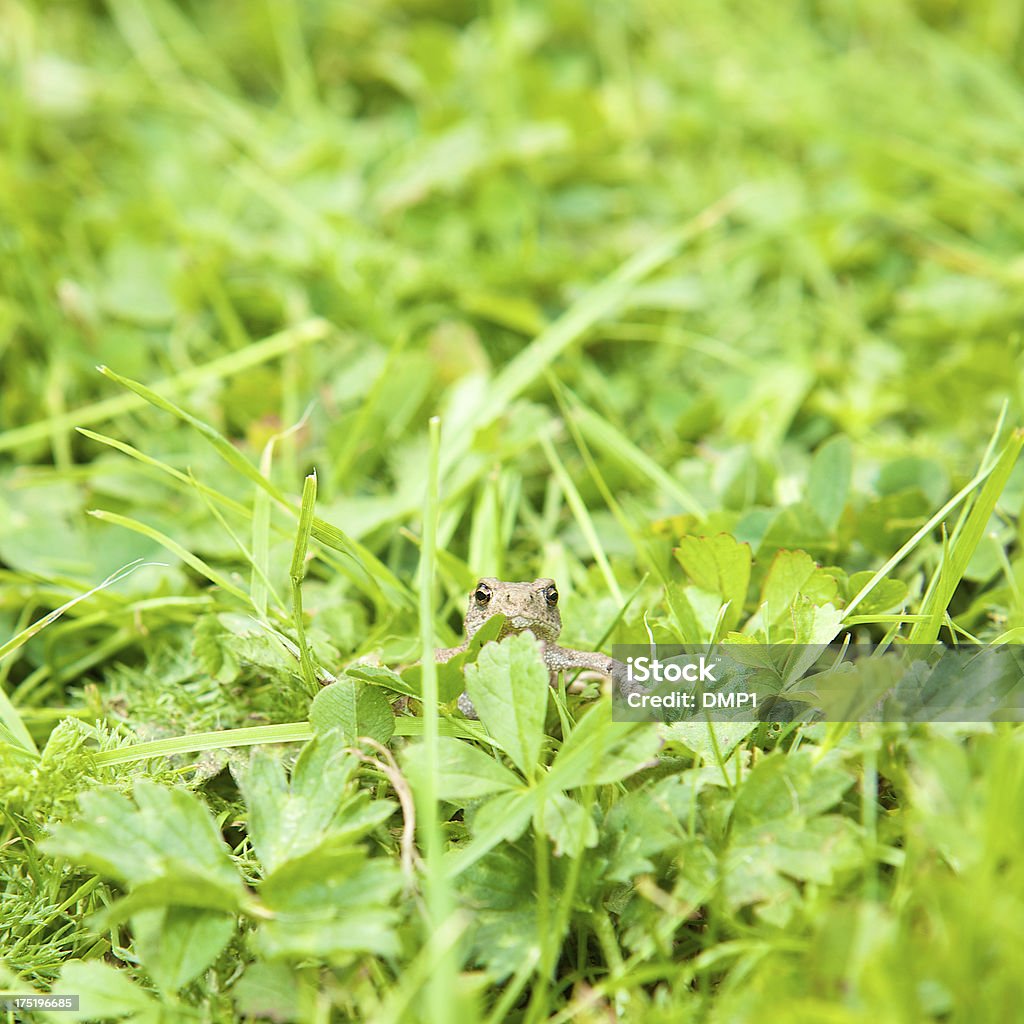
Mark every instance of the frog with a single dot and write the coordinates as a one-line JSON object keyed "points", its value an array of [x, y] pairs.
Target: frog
{"points": [[526, 606]]}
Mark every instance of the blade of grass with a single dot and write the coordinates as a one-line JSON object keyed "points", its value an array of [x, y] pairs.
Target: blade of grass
{"points": [[257, 574], [201, 567], [962, 545], [224, 739], [306, 333], [599, 432], [373, 575], [189, 482], [918, 536], [296, 574], [9, 716], [260, 586], [442, 979], [581, 515], [572, 325]]}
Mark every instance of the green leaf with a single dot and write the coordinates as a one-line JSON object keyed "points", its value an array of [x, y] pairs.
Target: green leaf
{"points": [[465, 772], [378, 675], [779, 831], [793, 573], [568, 824], [814, 624], [502, 819], [105, 993], [828, 482], [600, 751], [176, 944], [291, 818], [330, 905], [357, 709], [170, 836], [508, 685], [719, 565], [883, 597], [268, 990]]}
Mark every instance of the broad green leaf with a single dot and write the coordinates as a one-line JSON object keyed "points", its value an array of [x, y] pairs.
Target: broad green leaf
{"points": [[884, 596], [183, 888], [719, 565], [793, 573], [508, 685], [884, 524], [268, 990], [828, 482], [330, 905], [502, 819], [784, 786], [600, 751], [319, 805], [356, 708], [465, 772], [813, 623], [169, 835], [335, 707], [568, 824], [105, 993], [500, 889], [779, 831], [697, 737], [378, 675], [176, 944]]}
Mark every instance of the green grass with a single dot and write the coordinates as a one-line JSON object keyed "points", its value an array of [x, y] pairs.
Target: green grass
{"points": [[709, 311]]}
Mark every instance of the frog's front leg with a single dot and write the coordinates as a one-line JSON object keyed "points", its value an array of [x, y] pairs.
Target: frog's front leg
{"points": [[443, 654], [565, 659]]}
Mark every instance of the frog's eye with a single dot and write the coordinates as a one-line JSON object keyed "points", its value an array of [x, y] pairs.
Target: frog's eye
{"points": [[551, 596], [482, 594]]}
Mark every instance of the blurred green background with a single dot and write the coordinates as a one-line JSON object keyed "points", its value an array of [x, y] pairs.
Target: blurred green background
{"points": [[441, 181]]}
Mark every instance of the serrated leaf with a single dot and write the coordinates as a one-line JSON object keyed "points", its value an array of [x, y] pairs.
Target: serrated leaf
{"points": [[793, 573], [600, 751], [290, 818], [508, 685], [465, 772], [176, 944], [568, 824], [357, 709], [105, 993], [719, 565], [886, 596], [168, 836], [814, 624], [828, 482], [330, 904]]}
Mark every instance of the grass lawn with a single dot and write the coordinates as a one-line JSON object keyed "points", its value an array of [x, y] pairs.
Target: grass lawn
{"points": [[312, 314]]}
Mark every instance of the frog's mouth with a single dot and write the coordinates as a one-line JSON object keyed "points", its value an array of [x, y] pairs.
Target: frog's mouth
{"points": [[518, 623]]}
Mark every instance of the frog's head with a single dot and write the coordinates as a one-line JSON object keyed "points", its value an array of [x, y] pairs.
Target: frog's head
{"points": [[532, 606]]}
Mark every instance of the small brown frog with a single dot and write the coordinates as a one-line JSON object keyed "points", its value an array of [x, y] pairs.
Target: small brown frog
{"points": [[526, 606]]}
